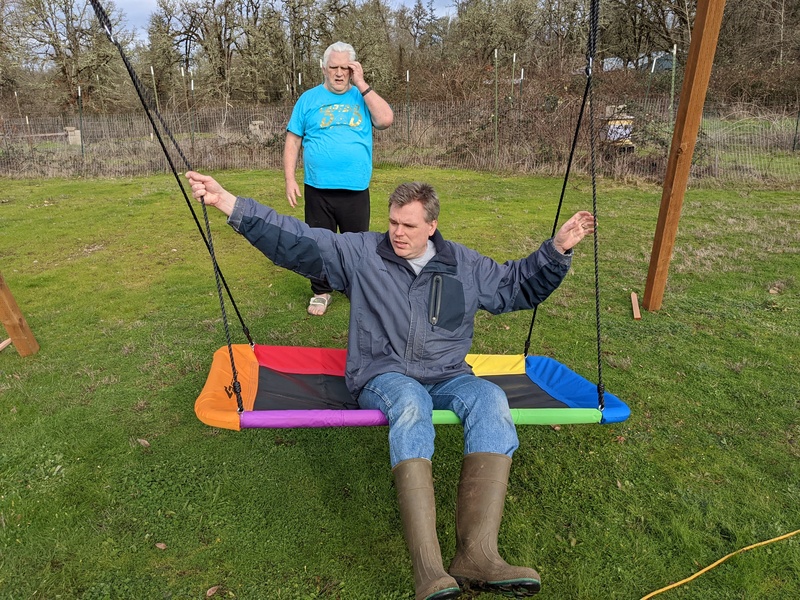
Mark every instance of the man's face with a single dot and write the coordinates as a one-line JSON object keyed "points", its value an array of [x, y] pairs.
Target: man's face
{"points": [[337, 73], [408, 230]]}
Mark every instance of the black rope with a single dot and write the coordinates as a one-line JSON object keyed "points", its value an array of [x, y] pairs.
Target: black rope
{"points": [[594, 27], [144, 97], [561, 198], [591, 49]]}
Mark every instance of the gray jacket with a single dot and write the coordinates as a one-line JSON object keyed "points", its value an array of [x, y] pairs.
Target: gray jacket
{"points": [[420, 325]]}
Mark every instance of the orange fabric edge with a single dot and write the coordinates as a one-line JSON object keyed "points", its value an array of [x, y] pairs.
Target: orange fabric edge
{"points": [[216, 404]]}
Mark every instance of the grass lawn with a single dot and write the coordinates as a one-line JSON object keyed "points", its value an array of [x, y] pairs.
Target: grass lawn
{"points": [[111, 488]]}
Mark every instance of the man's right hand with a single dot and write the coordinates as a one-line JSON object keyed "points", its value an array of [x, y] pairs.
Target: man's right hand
{"points": [[206, 189], [293, 192], [291, 152]]}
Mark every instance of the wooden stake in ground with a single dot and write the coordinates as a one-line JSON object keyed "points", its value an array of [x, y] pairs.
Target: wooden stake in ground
{"points": [[15, 324], [637, 315]]}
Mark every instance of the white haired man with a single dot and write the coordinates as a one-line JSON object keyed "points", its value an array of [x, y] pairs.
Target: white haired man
{"points": [[333, 124]]}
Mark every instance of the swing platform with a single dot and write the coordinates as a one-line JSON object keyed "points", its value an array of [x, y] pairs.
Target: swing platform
{"points": [[292, 386]]}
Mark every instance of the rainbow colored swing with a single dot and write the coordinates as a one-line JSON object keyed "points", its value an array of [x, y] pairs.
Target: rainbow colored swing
{"points": [[257, 386], [287, 386]]}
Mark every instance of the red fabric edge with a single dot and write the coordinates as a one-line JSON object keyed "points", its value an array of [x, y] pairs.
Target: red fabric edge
{"points": [[302, 360]]}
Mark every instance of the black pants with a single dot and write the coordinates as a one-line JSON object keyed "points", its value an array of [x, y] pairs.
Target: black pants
{"points": [[344, 211]]}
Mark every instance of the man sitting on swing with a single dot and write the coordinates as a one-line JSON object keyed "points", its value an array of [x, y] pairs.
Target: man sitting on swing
{"points": [[413, 298]]}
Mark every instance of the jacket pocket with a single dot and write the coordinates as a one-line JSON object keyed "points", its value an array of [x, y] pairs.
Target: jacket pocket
{"points": [[447, 305]]}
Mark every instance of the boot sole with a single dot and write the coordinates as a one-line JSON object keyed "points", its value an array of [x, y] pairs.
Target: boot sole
{"points": [[514, 588], [448, 594]]}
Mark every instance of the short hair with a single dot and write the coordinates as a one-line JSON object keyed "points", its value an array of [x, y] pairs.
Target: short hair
{"points": [[337, 47], [416, 191]]}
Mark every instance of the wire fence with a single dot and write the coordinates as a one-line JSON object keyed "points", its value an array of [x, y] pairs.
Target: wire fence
{"points": [[530, 134]]}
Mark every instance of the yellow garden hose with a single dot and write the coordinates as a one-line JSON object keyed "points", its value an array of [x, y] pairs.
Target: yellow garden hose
{"points": [[720, 561]]}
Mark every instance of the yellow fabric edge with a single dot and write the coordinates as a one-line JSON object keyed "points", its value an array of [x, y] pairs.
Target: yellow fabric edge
{"points": [[496, 364]]}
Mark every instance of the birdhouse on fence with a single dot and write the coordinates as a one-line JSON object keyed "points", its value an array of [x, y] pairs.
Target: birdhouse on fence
{"points": [[255, 128], [617, 128], [73, 136]]}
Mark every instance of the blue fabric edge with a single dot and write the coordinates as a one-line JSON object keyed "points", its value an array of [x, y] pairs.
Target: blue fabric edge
{"points": [[573, 390]]}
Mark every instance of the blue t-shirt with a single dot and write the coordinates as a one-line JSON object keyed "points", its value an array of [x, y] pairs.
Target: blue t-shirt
{"points": [[337, 138]]}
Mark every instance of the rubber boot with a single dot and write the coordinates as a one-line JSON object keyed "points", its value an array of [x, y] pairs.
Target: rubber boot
{"points": [[481, 496], [414, 481]]}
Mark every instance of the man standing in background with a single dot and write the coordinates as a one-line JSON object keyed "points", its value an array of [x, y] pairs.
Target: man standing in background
{"points": [[333, 123]]}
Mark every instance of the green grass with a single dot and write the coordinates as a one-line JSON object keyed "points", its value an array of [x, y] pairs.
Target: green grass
{"points": [[118, 289]]}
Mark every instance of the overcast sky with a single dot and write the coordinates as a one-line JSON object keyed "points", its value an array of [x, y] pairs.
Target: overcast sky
{"points": [[137, 12]]}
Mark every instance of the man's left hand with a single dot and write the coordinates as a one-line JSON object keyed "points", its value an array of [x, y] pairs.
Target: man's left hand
{"points": [[357, 75]]}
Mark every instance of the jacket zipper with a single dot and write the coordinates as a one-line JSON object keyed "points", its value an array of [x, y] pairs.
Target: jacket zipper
{"points": [[435, 304]]}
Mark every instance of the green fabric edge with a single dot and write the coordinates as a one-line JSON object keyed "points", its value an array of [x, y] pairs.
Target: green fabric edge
{"points": [[533, 416]]}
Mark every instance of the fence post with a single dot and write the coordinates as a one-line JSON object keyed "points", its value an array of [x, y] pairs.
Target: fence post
{"points": [[496, 115], [155, 89], [186, 98], [796, 126], [513, 72], [80, 121], [649, 80], [672, 89], [408, 107], [191, 115], [30, 133]]}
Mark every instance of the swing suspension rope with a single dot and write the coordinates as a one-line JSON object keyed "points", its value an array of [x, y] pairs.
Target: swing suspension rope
{"points": [[591, 49], [147, 103]]}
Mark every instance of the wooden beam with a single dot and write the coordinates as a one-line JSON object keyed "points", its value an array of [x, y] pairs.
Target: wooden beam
{"points": [[705, 35], [15, 323]]}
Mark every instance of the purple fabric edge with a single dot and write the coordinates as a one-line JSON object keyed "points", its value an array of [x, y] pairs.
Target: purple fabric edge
{"points": [[287, 419]]}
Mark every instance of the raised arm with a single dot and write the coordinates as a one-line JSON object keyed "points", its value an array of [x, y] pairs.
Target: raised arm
{"points": [[382, 114], [524, 283], [206, 188]]}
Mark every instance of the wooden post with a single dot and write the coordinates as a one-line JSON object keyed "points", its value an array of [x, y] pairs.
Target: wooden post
{"points": [[687, 124], [15, 323]]}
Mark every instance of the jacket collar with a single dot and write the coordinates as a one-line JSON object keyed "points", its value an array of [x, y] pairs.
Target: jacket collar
{"points": [[444, 253]]}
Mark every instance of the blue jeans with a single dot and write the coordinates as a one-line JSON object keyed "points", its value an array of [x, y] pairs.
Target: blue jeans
{"points": [[408, 405]]}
